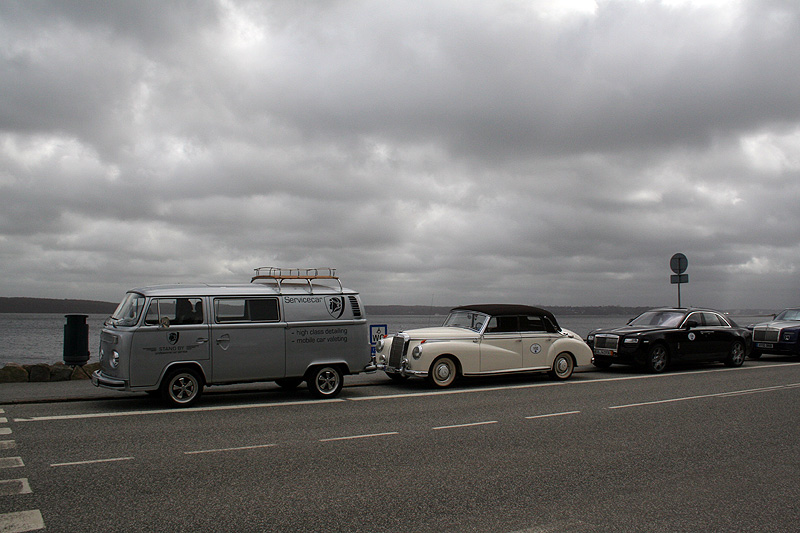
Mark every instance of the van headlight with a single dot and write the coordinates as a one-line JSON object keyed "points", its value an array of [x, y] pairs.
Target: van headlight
{"points": [[416, 353], [114, 359]]}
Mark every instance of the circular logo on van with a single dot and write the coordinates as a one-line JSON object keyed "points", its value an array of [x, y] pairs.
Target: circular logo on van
{"points": [[335, 305]]}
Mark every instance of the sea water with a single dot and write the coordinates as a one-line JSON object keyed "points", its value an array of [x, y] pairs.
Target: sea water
{"points": [[29, 338]]}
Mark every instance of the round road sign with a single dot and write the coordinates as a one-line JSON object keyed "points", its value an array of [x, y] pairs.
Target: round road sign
{"points": [[678, 263]]}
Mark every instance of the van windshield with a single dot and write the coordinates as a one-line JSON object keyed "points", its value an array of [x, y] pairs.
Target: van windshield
{"points": [[128, 311]]}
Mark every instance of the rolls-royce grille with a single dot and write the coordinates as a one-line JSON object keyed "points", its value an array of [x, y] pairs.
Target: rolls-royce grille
{"points": [[396, 352], [766, 335], [606, 341]]}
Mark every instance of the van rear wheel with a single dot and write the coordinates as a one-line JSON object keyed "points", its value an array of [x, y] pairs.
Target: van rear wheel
{"points": [[325, 381], [182, 387]]}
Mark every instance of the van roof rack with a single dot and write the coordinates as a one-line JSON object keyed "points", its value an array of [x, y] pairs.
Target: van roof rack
{"points": [[279, 275]]}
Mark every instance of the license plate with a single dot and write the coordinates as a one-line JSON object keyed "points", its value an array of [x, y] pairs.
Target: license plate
{"points": [[604, 351], [764, 345]]}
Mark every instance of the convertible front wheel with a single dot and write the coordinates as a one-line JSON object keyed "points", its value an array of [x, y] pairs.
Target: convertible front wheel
{"points": [[443, 372], [562, 366]]}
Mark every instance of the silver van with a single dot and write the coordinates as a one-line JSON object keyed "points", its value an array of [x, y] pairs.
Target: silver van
{"points": [[286, 325]]}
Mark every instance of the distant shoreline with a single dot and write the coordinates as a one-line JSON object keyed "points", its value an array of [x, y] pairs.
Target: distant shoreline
{"points": [[91, 307]]}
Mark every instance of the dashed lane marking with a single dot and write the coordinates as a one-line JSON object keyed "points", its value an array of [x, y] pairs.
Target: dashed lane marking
{"points": [[21, 521], [7, 444], [237, 448], [552, 414], [716, 395], [367, 436], [93, 461], [471, 424], [9, 487], [5, 431]]}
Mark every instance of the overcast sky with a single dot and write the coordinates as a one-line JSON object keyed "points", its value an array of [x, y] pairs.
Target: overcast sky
{"points": [[438, 152]]}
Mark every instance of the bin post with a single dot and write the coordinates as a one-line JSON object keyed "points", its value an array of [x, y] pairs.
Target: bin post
{"points": [[76, 340]]}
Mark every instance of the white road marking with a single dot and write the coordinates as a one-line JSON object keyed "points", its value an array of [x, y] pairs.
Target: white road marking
{"points": [[715, 395], [5, 431], [553, 414], [11, 462], [91, 462], [7, 444], [466, 425], [21, 521], [9, 487], [3, 420], [559, 383], [351, 437], [253, 447], [173, 411]]}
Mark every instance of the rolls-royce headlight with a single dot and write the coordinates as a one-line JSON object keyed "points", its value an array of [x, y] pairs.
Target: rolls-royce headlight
{"points": [[114, 359], [379, 345], [631, 340], [590, 338], [416, 353]]}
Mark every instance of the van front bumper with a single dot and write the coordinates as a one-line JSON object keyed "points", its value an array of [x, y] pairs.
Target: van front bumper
{"points": [[101, 380]]}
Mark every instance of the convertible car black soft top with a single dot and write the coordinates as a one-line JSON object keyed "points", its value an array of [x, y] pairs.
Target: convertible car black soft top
{"points": [[510, 310]]}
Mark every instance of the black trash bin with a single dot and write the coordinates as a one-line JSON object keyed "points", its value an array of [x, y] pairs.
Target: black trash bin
{"points": [[76, 340]]}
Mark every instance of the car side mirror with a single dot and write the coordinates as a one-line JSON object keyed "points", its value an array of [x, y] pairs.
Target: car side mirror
{"points": [[691, 324]]}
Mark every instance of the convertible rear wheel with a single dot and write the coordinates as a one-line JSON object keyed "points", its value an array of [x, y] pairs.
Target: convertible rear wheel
{"points": [[736, 355], [562, 366], [657, 359], [443, 372]]}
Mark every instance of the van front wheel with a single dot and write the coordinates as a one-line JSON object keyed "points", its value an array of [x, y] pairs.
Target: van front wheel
{"points": [[182, 387], [325, 381]]}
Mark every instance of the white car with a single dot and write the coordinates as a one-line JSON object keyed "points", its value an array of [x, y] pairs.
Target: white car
{"points": [[481, 340]]}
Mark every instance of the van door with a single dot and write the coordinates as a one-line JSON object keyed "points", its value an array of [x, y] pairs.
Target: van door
{"points": [[174, 329], [248, 340]]}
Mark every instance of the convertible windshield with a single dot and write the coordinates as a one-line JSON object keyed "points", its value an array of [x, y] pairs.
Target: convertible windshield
{"points": [[128, 311], [789, 314], [466, 319], [666, 319]]}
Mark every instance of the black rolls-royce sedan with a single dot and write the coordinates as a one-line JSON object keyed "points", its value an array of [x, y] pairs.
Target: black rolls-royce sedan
{"points": [[659, 337]]}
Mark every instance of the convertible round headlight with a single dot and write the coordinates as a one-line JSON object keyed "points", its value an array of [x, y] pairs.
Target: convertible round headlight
{"points": [[416, 353], [379, 345], [114, 359]]}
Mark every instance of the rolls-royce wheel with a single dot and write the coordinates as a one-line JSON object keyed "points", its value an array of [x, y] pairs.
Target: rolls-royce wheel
{"points": [[736, 354], [443, 372], [657, 359], [563, 365]]}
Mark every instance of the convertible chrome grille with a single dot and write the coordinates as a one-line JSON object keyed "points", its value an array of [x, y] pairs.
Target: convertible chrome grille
{"points": [[397, 351], [766, 335], [606, 341]]}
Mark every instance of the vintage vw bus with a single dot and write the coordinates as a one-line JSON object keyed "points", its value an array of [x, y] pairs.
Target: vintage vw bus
{"points": [[484, 340], [287, 326]]}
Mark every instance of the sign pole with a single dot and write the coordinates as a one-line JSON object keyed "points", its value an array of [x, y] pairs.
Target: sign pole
{"points": [[678, 263]]}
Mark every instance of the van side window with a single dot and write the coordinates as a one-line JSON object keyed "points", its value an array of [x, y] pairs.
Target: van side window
{"points": [[246, 310], [178, 311]]}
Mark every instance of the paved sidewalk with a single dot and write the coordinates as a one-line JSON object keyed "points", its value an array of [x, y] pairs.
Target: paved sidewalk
{"points": [[83, 390]]}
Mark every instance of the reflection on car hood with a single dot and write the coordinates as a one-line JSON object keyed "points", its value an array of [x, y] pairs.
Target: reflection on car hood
{"points": [[780, 324], [440, 333], [629, 330]]}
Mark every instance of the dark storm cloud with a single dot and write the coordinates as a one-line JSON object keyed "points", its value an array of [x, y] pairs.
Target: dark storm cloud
{"points": [[454, 151]]}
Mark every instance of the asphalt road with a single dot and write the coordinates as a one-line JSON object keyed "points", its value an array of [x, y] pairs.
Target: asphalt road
{"points": [[700, 449]]}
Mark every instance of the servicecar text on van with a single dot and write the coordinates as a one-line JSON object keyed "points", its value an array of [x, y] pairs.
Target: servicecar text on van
{"points": [[286, 325]]}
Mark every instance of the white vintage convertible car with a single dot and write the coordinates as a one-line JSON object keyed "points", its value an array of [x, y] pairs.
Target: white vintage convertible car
{"points": [[479, 340]]}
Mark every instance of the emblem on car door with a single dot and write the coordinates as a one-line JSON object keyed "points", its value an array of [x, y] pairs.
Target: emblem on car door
{"points": [[535, 348], [173, 337], [691, 336], [335, 305]]}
